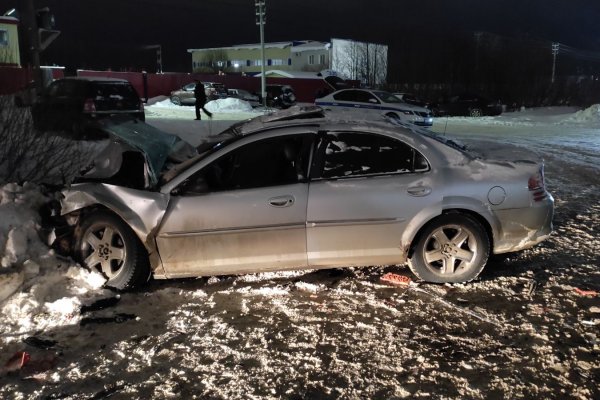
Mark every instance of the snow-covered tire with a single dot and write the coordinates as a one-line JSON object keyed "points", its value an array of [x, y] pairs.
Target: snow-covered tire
{"points": [[176, 100], [105, 243], [451, 248], [475, 112]]}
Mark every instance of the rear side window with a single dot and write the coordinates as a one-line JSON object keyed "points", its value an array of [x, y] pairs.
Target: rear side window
{"points": [[113, 90], [350, 154], [346, 95]]}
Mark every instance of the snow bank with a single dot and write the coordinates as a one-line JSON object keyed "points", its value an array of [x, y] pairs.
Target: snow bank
{"points": [[228, 105], [38, 289], [590, 114]]}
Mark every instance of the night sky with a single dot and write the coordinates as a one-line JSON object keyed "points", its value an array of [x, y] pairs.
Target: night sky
{"points": [[110, 33]]}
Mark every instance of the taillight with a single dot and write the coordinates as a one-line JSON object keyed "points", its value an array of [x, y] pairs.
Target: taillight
{"points": [[89, 106], [537, 185]]}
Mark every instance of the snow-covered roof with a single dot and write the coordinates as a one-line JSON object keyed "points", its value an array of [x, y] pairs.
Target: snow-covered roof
{"points": [[8, 20], [291, 74], [296, 45]]}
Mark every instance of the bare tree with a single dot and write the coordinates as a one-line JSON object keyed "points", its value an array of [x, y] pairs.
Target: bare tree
{"points": [[40, 157], [362, 61]]}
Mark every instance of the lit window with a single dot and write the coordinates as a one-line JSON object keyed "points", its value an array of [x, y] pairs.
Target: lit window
{"points": [[3, 37]]}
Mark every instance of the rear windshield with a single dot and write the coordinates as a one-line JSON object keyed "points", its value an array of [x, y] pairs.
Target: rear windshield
{"points": [[114, 90]]}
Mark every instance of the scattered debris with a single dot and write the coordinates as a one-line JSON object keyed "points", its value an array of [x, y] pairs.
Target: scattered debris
{"points": [[531, 286], [101, 304], [396, 279], [119, 318], [44, 344], [591, 322], [16, 362], [586, 292]]}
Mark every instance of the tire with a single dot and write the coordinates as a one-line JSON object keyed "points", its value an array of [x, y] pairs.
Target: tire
{"points": [[121, 258], [451, 248], [176, 100], [393, 116], [475, 112]]}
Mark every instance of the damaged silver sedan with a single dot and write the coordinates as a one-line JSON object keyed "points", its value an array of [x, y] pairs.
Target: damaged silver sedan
{"points": [[300, 189]]}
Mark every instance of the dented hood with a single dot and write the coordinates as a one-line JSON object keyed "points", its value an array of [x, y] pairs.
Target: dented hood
{"points": [[156, 147]]}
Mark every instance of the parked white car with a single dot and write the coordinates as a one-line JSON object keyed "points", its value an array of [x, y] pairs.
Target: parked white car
{"points": [[377, 102]]}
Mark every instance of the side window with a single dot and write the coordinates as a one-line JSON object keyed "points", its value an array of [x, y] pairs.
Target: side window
{"points": [[267, 162], [349, 154], [366, 97], [346, 95]]}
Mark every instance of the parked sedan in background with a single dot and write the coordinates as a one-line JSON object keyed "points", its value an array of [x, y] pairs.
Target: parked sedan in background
{"points": [[411, 99], [303, 189], [245, 95], [73, 103], [467, 105], [376, 103], [185, 95]]}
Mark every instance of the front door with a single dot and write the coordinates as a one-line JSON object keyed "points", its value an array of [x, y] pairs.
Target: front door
{"points": [[244, 212]]}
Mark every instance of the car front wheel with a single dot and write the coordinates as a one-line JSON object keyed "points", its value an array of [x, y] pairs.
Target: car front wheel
{"points": [[176, 100], [451, 248], [475, 112], [106, 243]]}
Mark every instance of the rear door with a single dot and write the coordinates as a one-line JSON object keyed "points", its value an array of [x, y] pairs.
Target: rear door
{"points": [[243, 212], [367, 188]]}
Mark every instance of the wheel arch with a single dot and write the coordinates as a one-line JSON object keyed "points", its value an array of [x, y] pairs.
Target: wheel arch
{"points": [[142, 211], [476, 210]]}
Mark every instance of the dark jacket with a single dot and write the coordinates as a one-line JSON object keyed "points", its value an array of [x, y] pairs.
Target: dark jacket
{"points": [[199, 93]]}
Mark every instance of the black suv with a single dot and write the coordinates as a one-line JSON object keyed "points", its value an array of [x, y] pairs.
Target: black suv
{"points": [[72, 103]]}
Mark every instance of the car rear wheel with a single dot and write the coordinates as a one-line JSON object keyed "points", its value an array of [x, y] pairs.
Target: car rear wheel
{"points": [[475, 112], [176, 100], [105, 243], [451, 248]]}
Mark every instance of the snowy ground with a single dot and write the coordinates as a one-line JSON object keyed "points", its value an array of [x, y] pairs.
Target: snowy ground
{"points": [[521, 331]]}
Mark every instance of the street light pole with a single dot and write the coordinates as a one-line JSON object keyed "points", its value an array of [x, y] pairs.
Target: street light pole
{"points": [[261, 20], [555, 48]]}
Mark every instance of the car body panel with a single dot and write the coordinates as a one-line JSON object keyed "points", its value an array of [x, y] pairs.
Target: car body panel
{"points": [[371, 103], [234, 231], [360, 221], [363, 220]]}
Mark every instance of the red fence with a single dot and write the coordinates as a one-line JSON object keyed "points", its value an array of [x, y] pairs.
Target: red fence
{"points": [[147, 85], [152, 85], [14, 79]]}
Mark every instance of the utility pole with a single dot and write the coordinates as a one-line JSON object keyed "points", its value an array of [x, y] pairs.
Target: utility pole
{"points": [[33, 43], [261, 20], [555, 48]]}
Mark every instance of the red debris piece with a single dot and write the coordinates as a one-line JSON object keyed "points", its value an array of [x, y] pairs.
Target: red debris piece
{"points": [[396, 279], [586, 292], [17, 361]]}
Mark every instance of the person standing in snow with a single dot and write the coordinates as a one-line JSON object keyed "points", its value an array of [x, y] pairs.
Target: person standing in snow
{"points": [[200, 96]]}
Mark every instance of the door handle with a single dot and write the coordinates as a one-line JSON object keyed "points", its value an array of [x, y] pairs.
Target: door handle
{"points": [[281, 201], [418, 191]]}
